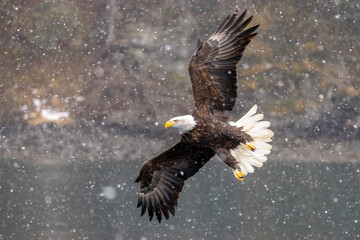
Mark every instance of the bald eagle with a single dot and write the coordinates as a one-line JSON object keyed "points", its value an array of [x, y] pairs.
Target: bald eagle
{"points": [[208, 131]]}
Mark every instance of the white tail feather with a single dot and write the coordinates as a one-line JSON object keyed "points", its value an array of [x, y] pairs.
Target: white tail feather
{"points": [[258, 130]]}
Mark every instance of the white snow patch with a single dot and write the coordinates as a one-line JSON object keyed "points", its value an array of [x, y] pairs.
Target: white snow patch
{"points": [[108, 192], [99, 71], [53, 115], [48, 199], [168, 47]]}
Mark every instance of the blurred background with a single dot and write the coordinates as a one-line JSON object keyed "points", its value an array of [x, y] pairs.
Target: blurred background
{"points": [[86, 87]]}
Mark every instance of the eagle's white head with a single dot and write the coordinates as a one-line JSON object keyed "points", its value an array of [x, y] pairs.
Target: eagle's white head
{"points": [[182, 123]]}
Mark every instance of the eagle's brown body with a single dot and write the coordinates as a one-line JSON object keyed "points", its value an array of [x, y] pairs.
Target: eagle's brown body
{"points": [[214, 134], [213, 75]]}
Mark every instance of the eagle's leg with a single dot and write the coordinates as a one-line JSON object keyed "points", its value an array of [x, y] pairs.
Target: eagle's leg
{"points": [[227, 158], [240, 135], [250, 146]]}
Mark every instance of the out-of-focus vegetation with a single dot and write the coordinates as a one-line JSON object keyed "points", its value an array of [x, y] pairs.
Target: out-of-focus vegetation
{"points": [[125, 62]]}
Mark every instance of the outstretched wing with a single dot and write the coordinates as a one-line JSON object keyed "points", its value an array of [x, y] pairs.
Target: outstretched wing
{"points": [[213, 66], [163, 176]]}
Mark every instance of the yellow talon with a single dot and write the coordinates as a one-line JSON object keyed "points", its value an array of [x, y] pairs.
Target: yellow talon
{"points": [[239, 175], [250, 146]]}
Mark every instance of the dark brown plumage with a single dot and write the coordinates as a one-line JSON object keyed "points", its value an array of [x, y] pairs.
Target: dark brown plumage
{"points": [[213, 67], [213, 75], [163, 176]]}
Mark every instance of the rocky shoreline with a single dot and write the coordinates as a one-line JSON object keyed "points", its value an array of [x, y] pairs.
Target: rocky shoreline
{"points": [[52, 144]]}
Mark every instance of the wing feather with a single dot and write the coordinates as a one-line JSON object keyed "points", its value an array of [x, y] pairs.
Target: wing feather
{"points": [[162, 178], [213, 67]]}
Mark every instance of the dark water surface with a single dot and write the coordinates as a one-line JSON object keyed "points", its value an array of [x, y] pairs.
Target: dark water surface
{"points": [[84, 200]]}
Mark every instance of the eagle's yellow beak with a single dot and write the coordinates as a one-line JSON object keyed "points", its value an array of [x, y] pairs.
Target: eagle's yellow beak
{"points": [[169, 124]]}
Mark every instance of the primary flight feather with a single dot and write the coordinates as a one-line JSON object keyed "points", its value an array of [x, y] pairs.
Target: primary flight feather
{"points": [[208, 132]]}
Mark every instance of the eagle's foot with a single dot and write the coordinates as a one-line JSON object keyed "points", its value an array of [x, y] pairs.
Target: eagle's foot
{"points": [[239, 175], [250, 146]]}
